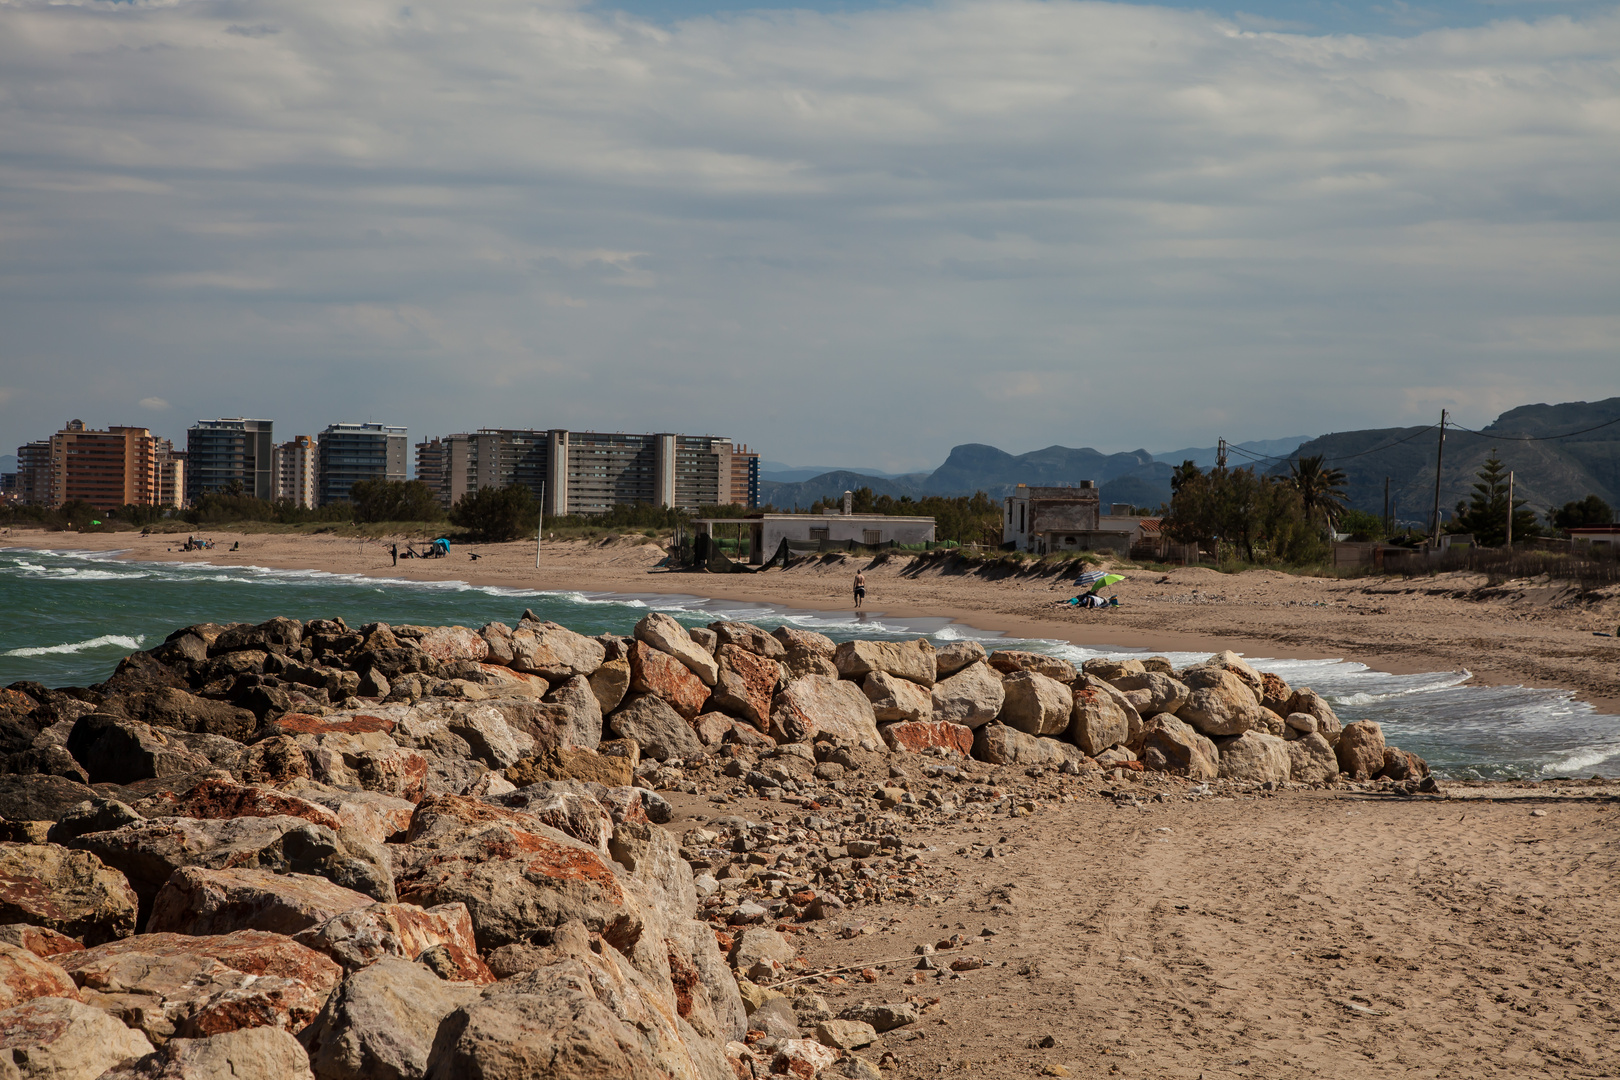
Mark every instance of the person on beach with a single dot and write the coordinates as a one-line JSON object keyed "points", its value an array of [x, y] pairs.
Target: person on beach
{"points": [[393, 549], [860, 588]]}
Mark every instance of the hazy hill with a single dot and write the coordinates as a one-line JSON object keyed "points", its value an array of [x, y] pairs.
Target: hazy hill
{"points": [[1548, 473], [1132, 477], [1205, 456]]}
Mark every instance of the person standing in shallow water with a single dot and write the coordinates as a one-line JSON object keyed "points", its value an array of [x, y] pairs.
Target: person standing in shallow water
{"points": [[860, 588]]}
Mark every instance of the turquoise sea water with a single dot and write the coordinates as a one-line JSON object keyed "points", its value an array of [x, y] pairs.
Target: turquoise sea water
{"points": [[67, 618]]}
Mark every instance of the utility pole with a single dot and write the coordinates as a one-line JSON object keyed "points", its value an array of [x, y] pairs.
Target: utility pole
{"points": [[1220, 455], [1510, 511], [1439, 457], [1386, 508]]}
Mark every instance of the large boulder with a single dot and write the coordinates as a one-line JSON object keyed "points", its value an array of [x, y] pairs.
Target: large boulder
{"points": [[578, 706], [1036, 704], [1000, 744], [71, 892], [915, 736], [451, 643], [667, 677], [554, 652], [1312, 760], [747, 681], [1169, 744], [1275, 693], [816, 705], [1153, 692], [117, 750], [1098, 721], [371, 814], [1232, 662], [488, 736], [667, 636], [1403, 765], [750, 637], [517, 876], [175, 985], [610, 683], [1255, 757], [973, 696], [913, 660], [363, 936], [149, 852], [41, 942], [200, 901], [261, 1053], [55, 1038], [582, 1015], [655, 726], [808, 653], [1360, 750], [381, 1021], [40, 798], [1012, 661], [24, 977], [894, 698], [573, 763], [218, 799], [953, 656], [181, 710], [1111, 670], [1308, 701], [1220, 702]]}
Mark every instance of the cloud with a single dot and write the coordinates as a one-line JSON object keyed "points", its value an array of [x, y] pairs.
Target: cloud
{"points": [[886, 231], [155, 404]]}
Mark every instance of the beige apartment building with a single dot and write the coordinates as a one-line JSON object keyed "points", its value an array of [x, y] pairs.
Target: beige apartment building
{"points": [[118, 466]]}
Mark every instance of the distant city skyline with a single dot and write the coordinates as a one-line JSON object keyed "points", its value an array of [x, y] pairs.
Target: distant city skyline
{"points": [[860, 232]]}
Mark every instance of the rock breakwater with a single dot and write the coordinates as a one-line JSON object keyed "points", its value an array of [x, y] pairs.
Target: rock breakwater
{"points": [[301, 849]]}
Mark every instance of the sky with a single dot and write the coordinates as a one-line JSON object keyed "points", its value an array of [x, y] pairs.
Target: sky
{"points": [[846, 232]]}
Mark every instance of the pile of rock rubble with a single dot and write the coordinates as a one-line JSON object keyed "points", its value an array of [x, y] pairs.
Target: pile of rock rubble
{"points": [[303, 850]]}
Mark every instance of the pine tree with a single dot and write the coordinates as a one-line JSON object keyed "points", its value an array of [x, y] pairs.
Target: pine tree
{"points": [[1485, 513]]}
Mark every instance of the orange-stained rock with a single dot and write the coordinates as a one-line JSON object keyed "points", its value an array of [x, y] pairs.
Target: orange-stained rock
{"points": [[398, 772], [24, 977], [747, 682], [41, 942], [175, 985], [277, 761], [662, 675], [356, 939], [337, 724], [71, 892], [450, 643], [61, 1039], [515, 875], [917, 735], [199, 901], [224, 799]]}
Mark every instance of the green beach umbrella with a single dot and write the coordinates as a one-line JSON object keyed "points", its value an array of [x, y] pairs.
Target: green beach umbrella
{"points": [[1106, 580]]}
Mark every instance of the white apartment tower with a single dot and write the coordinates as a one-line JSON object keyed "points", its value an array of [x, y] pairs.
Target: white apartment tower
{"points": [[294, 470]]}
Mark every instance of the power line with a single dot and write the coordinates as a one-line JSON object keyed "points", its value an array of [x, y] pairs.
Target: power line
{"points": [[1537, 438], [1347, 457]]}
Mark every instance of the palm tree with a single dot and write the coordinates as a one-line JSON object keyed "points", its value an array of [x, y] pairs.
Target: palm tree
{"points": [[1321, 489]]}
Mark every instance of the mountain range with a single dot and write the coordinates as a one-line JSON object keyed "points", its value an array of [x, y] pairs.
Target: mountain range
{"points": [[1136, 477], [1554, 457]]}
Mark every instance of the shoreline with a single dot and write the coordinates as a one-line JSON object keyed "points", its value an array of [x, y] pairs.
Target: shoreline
{"points": [[624, 569]]}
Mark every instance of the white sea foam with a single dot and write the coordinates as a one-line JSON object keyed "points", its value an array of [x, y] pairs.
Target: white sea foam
{"points": [[120, 640]]}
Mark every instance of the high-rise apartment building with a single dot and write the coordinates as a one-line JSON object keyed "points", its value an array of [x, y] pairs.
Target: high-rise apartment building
{"points": [[294, 466], [226, 451], [588, 472], [119, 466], [349, 453], [34, 473]]}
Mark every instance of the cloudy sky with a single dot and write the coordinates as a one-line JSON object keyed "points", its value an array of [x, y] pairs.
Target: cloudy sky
{"points": [[847, 234]]}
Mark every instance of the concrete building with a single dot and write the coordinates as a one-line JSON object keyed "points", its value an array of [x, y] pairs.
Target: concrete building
{"points": [[230, 450], [34, 473], [1597, 535], [171, 480], [831, 530], [587, 472], [293, 464], [1045, 519], [349, 453]]}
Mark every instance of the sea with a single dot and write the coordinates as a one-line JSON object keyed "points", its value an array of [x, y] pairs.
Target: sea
{"points": [[67, 617]]}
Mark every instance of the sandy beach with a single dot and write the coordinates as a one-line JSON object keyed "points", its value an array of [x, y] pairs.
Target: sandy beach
{"points": [[1527, 632]]}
